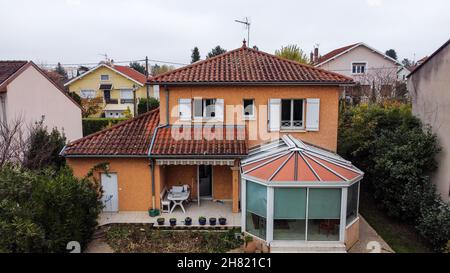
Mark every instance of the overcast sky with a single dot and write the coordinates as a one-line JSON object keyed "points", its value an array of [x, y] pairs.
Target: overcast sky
{"points": [[78, 31]]}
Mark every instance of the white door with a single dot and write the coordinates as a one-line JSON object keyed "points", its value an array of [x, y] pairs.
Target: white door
{"points": [[110, 196]]}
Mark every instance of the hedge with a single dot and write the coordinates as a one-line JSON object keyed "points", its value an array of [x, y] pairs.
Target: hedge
{"points": [[397, 154], [92, 125], [142, 105]]}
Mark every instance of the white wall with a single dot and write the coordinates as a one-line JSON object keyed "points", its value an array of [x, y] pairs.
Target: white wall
{"points": [[429, 88], [31, 96], [377, 65]]}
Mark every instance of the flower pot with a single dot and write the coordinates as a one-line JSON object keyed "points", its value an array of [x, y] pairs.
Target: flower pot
{"points": [[153, 212], [212, 221], [222, 221], [173, 221], [188, 221], [202, 221], [160, 221]]}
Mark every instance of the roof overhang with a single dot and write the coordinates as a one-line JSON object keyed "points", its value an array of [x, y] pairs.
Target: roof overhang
{"points": [[187, 161], [252, 83]]}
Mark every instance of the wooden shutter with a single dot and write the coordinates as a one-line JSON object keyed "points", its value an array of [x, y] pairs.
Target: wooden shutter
{"points": [[184, 109], [219, 109], [312, 114], [274, 115]]}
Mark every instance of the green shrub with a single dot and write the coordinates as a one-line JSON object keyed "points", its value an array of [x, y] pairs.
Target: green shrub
{"points": [[92, 125], [397, 155], [153, 103], [43, 211]]}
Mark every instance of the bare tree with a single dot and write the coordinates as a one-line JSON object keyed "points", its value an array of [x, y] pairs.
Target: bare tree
{"points": [[13, 141]]}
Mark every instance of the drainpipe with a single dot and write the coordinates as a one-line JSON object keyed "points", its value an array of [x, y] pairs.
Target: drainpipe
{"points": [[152, 166], [167, 103]]}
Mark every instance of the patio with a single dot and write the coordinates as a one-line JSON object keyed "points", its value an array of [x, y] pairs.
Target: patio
{"points": [[206, 209]]}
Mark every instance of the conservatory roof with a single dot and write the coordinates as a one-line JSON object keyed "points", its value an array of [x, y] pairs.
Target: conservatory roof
{"points": [[289, 159]]}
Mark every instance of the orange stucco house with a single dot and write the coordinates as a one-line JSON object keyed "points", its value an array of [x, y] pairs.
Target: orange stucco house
{"points": [[244, 127]]}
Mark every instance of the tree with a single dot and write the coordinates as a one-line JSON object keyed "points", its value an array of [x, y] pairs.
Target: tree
{"points": [[195, 56], [392, 53], [153, 103], [13, 141], [44, 148], [61, 71], [160, 69], [293, 53], [138, 67], [407, 63], [216, 51], [91, 107]]}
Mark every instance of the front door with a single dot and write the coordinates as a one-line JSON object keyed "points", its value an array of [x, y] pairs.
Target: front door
{"points": [[107, 95], [205, 181], [110, 197]]}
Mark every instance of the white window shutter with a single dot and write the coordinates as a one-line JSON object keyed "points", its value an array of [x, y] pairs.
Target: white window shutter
{"points": [[184, 109], [312, 114], [219, 109], [274, 115]]}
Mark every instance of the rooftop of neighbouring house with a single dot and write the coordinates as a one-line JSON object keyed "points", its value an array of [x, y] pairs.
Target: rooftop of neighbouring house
{"points": [[292, 160], [8, 68], [245, 65], [334, 53], [130, 72]]}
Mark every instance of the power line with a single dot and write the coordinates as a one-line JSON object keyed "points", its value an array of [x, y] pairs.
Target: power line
{"points": [[116, 62]]}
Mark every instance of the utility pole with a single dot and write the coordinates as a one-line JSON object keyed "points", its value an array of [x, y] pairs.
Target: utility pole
{"points": [[247, 26], [146, 83]]}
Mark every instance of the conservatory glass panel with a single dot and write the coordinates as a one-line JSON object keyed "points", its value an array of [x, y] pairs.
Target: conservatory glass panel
{"points": [[324, 211], [289, 213], [256, 206]]}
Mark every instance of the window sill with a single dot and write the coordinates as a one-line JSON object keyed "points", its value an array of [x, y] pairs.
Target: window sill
{"points": [[249, 118], [287, 130]]}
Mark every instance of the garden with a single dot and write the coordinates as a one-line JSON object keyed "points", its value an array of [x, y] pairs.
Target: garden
{"points": [[398, 155]]}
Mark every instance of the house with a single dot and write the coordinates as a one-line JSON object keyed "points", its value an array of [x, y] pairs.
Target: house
{"points": [[244, 128], [115, 88], [429, 86], [366, 65], [29, 95]]}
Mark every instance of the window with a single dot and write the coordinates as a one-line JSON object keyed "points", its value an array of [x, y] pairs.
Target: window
{"points": [[104, 77], [358, 68], [87, 94], [352, 202], [256, 208], [324, 210], [126, 96], [204, 108], [292, 114], [289, 214], [249, 108]]}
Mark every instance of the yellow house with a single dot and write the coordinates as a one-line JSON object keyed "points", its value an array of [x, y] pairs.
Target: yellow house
{"points": [[115, 88]]}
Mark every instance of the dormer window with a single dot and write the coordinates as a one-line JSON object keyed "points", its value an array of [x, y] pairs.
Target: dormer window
{"points": [[359, 68], [104, 77]]}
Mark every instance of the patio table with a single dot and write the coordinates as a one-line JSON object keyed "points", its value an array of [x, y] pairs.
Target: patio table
{"points": [[178, 198]]}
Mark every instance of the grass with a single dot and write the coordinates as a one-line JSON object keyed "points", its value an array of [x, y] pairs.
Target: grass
{"points": [[401, 237], [126, 238]]}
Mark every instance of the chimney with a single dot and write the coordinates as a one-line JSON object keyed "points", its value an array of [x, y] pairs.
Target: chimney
{"points": [[316, 54], [311, 57]]}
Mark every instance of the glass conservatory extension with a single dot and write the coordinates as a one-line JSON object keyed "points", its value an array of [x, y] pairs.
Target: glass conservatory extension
{"points": [[291, 190]]}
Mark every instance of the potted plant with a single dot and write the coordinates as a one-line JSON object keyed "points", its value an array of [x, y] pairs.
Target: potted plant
{"points": [[160, 221], [222, 221], [188, 221], [212, 221], [173, 221], [202, 220]]}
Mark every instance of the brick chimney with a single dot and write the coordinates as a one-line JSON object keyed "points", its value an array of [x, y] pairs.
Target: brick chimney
{"points": [[316, 54], [311, 58]]}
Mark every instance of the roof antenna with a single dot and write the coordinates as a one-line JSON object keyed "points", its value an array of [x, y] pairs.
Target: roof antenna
{"points": [[247, 26]]}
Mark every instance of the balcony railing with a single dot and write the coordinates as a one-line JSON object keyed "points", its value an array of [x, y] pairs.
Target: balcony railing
{"points": [[292, 124], [126, 101], [111, 101]]}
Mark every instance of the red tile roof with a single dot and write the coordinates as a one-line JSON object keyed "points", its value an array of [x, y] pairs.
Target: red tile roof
{"points": [[130, 138], [334, 53], [130, 72], [8, 68], [250, 66], [203, 141]]}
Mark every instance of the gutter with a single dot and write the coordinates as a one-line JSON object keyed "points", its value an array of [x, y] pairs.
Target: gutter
{"points": [[254, 83]]}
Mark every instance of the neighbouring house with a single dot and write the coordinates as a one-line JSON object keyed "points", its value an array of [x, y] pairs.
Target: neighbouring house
{"points": [[28, 94], [429, 88], [375, 72], [115, 89], [245, 128]]}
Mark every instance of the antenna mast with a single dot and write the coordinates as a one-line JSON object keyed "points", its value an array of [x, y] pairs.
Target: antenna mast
{"points": [[247, 26]]}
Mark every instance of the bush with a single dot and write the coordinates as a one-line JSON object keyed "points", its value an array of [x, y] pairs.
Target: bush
{"points": [[92, 125], [434, 225], [44, 148], [42, 212], [397, 155], [153, 103]]}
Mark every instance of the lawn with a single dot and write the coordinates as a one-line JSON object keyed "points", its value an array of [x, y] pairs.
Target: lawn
{"points": [[143, 238], [402, 238]]}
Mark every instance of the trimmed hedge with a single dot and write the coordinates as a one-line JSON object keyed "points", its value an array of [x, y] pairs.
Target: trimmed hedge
{"points": [[153, 103], [397, 154], [92, 125]]}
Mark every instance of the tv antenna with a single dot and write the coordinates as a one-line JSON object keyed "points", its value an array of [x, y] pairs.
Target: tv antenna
{"points": [[247, 26], [105, 56]]}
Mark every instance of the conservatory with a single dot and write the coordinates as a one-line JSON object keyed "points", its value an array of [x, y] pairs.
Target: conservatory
{"points": [[293, 191]]}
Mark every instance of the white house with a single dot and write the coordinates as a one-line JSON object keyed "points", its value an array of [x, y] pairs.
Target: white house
{"points": [[28, 94]]}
